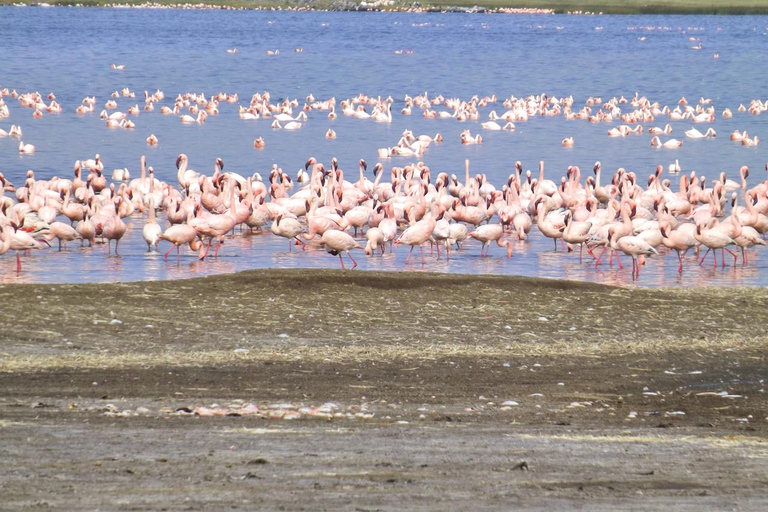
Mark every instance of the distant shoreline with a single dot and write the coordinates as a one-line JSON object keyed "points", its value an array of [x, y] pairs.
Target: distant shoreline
{"points": [[523, 7]]}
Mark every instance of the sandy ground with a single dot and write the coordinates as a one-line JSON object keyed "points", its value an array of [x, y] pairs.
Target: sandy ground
{"points": [[326, 390]]}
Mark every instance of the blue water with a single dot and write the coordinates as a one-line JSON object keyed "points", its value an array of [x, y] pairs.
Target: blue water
{"points": [[69, 51]]}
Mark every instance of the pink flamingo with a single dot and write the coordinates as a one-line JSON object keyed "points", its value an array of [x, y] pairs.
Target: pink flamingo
{"points": [[114, 228], [633, 246], [487, 233], [337, 242], [178, 235]]}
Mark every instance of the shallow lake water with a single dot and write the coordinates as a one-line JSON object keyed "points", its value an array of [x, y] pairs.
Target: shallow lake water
{"points": [[69, 51]]}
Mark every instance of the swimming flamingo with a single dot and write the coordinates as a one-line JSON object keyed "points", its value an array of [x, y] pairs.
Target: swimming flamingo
{"points": [[26, 148], [693, 133], [671, 143]]}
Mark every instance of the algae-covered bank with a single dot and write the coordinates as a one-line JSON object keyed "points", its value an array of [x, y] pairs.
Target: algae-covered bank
{"points": [[330, 390]]}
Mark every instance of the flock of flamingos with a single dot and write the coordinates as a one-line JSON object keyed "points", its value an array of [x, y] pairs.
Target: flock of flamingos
{"points": [[375, 209]]}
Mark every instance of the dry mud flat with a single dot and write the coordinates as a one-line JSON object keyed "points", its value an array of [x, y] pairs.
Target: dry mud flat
{"points": [[325, 390]]}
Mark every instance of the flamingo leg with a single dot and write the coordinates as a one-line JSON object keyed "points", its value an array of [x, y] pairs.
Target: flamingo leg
{"points": [[421, 248], [705, 256], [169, 251], [207, 248], [116, 244], [598, 262], [353, 260], [178, 255], [409, 254], [342, 262], [714, 257], [735, 256], [216, 251], [581, 250], [680, 257], [18, 262]]}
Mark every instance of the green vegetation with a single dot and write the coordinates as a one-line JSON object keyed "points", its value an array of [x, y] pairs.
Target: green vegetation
{"points": [[557, 6]]}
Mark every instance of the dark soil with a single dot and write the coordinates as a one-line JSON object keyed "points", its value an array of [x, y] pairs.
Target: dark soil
{"points": [[381, 392]]}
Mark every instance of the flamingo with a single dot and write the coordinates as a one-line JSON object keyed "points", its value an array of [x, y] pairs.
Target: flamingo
{"points": [[487, 233], [713, 239], [217, 225], [288, 227], [693, 133], [26, 148], [418, 234], [679, 240], [375, 239], [152, 230], [671, 143], [22, 241], [576, 232], [337, 242], [5, 239], [114, 228], [633, 246], [178, 235], [62, 232]]}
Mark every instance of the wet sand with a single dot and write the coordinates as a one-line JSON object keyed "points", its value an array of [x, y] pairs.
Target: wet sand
{"points": [[330, 390]]}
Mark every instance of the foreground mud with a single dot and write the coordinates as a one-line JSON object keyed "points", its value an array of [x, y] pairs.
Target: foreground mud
{"points": [[324, 390]]}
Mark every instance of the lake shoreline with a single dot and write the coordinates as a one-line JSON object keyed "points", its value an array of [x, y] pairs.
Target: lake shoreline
{"points": [[298, 385], [471, 7]]}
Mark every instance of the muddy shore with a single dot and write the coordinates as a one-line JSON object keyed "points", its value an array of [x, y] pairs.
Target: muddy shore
{"points": [[329, 390]]}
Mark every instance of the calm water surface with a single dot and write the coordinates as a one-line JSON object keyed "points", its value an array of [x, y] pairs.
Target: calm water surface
{"points": [[69, 51]]}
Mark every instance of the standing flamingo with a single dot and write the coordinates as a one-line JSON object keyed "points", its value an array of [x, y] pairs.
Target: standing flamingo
{"points": [[152, 230], [178, 235], [679, 240], [337, 242], [632, 246], [114, 228], [487, 233]]}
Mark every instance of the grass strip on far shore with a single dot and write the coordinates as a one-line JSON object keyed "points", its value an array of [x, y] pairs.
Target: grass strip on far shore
{"points": [[658, 7]]}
